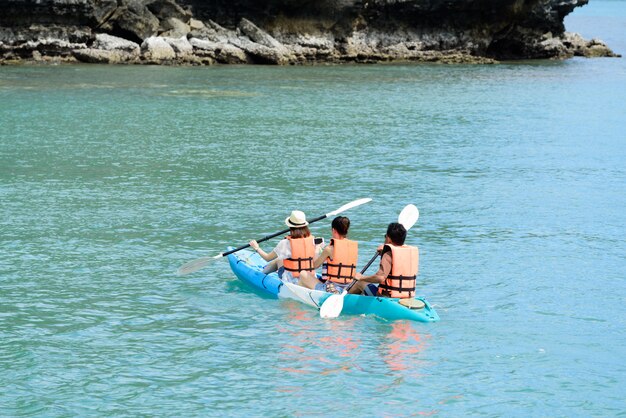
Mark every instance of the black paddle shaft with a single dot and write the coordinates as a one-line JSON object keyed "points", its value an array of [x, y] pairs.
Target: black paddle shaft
{"points": [[369, 263], [275, 235]]}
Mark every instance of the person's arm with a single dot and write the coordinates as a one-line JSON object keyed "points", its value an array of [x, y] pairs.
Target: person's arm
{"points": [[326, 253], [265, 256], [374, 278], [383, 271]]}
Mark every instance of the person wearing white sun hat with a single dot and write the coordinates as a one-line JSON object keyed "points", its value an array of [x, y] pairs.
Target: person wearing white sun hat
{"points": [[294, 253]]}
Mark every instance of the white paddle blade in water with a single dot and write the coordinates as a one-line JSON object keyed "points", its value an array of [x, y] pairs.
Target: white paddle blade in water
{"points": [[195, 265], [409, 216], [331, 308]]}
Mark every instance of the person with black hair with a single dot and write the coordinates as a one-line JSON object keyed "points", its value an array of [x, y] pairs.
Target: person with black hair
{"points": [[399, 265], [338, 261]]}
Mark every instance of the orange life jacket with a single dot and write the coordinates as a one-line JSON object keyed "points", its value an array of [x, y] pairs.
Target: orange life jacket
{"points": [[400, 283], [342, 267], [302, 254]]}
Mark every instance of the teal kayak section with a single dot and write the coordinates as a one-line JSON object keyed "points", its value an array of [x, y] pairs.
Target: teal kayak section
{"points": [[387, 308], [248, 267]]}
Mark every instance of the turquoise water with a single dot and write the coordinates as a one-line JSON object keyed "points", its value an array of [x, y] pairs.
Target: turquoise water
{"points": [[112, 177]]}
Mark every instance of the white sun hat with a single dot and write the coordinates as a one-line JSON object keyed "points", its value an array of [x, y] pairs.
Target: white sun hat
{"points": [[297, 219]]}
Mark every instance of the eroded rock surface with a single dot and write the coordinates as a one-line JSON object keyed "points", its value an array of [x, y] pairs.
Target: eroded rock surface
{"points": [[289, 31]]}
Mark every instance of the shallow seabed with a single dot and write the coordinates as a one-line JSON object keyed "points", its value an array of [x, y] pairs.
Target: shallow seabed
{"points": [[112, 177]]}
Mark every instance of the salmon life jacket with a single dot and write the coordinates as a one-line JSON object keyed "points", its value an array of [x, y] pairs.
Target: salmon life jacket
{"points": [[302, 254], [342, 267], [400, 283]]}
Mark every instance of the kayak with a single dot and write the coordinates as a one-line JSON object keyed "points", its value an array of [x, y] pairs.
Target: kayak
{"points": [[248, 267]]}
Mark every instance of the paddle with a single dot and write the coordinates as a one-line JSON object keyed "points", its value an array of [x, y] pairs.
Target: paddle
{"points": [[200, 263], [332, 307]]}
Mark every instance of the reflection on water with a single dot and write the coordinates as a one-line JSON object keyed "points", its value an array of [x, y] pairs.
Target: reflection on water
{"points": [[307, 352], [402, 347], [334, 350]]}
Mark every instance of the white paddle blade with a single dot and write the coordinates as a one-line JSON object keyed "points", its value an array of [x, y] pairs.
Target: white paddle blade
{"points": [[409, 216], [350, 205], [331, 308], [195, 265]]}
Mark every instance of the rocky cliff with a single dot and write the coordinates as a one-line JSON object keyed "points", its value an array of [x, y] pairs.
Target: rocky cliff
{"points": [[288, 31]]}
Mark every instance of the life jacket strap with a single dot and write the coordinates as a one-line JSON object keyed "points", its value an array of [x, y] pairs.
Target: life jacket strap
{"points": [[348, 271], [400, 288], [301, 261]]}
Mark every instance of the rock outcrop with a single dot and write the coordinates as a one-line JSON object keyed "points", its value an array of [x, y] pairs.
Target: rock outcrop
{"points": [[288, 31], [108, 49]]}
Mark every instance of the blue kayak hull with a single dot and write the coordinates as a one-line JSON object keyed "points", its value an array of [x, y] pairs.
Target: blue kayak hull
{"points": [[248, 267]]}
